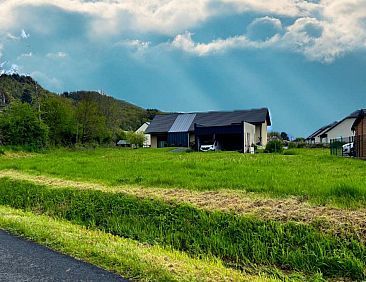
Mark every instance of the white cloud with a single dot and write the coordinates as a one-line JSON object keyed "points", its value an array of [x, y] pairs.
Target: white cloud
{"points": [[12, 36], [135, 44], [321, 30], [24, 35], [57, 55], [184, 42], [25, 55], [264, 28]]}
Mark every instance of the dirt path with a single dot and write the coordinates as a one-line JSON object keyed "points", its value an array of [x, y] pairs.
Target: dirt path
{"points": [[334, 220]]}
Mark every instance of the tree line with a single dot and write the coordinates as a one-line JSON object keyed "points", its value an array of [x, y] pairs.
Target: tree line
{"points": [[38, 119]]}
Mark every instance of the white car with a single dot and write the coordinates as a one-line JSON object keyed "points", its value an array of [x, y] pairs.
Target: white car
{"points": [[347, 149], [210, 147]]}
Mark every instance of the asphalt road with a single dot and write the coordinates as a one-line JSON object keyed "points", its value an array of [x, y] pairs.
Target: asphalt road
{"points": [[22, 260]]}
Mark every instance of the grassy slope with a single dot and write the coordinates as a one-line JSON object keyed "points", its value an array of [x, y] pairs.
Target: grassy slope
{"points": [[126, 257], [311, 174]]}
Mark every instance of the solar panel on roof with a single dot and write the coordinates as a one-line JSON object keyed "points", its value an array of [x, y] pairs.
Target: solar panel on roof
{"points": [[182, 123]]}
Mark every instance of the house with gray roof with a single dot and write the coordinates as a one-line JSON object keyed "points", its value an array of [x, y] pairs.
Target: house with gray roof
{"points": [[339, 129], [234, 130]]}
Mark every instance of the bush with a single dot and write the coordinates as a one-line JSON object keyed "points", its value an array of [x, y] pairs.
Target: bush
{"points": [[20, 125], [274, 146], [135, 139]]}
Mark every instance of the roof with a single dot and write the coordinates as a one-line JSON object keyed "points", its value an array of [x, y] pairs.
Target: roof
{"points": [[361, 115], [354, 114], [161, 123], [321, 130], [123, 142], [182, 123], [185, 122], [143, 127]]}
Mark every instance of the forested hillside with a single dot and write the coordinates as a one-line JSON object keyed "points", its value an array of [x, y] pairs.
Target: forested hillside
{"points": [[65, 119]]}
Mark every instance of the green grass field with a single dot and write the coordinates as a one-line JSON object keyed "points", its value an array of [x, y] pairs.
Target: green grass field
{"points": [[312, 174], [298, 216]]}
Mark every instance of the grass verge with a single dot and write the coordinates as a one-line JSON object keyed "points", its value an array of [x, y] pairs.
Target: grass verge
{"points": [[335, 221], [126, 257], [237, 240]]}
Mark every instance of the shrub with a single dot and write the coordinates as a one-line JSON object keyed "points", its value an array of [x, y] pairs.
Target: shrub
{"points": [[135, 138], [20, 125], [274, 146]]}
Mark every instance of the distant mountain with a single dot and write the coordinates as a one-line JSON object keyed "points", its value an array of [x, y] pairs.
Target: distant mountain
{"points": [[25, 88]]}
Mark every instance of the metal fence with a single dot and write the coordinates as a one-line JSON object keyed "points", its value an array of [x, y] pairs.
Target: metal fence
{"points": [[337, 147]]}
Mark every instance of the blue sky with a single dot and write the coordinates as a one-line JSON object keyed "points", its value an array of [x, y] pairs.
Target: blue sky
{"points": [[304, 60]]}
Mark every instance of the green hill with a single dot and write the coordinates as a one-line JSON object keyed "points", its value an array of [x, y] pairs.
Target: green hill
{"points": [[118, 113]]}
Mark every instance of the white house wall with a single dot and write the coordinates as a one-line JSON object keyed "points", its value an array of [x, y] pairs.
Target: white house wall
{"points": [[142, 129], [342, 129], [249, 135]]}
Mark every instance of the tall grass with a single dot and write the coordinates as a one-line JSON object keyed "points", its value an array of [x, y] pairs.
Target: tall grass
{"points": [[311, 173], [237, 240]]}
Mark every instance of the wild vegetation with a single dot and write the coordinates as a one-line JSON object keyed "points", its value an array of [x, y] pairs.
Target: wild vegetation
{"points": [[82, 117]]}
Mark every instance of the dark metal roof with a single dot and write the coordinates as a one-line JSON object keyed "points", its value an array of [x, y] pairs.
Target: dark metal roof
{"points": [[161, 123], [174, 122], [254, 116]]}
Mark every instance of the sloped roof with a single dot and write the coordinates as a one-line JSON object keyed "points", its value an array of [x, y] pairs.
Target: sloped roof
{"points": [[321, 130], [254, 116], [161, 123], [185, 122], [182, 123], [361, 115], [354, 114]]}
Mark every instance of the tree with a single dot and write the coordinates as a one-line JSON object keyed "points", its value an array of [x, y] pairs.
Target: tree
{"points": [[19, 125], [26, 97], [59, 115], [91, 123], [274, 135], [284, 136], [136, 139], [274, 146]]}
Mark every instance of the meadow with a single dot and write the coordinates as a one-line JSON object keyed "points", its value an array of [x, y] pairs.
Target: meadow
{"points": [[310, 173], [220, 216]]}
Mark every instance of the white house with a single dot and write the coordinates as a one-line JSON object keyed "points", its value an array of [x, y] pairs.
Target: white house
{"points": [[334, 130], [142, 129]]}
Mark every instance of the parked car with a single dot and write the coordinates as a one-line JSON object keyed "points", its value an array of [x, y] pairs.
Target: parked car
{"points": [[210, 147], [347, 149]]}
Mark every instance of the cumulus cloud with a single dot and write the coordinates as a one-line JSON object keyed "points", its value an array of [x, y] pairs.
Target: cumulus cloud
{"points": [[185, 42], [264, 28], [321, 30], [339, 27]]}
